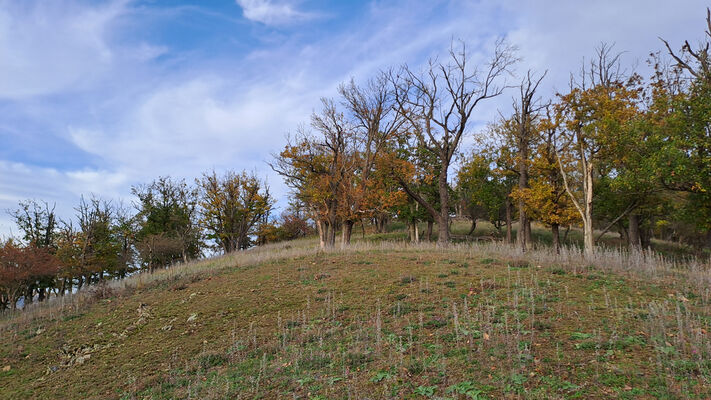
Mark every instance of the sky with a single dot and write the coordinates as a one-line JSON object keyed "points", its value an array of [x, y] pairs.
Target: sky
{"points": [[99, 95]]}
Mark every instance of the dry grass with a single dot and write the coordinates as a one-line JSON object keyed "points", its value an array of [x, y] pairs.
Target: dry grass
{"points": [[376, 320]]}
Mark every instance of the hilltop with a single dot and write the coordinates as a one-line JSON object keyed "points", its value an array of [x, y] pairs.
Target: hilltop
{"points": [[377, 320]]}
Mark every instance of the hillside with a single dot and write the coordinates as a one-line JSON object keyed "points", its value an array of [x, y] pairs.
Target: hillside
{"points": [[374, 321]]}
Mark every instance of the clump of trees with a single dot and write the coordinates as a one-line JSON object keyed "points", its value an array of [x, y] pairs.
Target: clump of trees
{"points": [[170, 221], [615, 151]]}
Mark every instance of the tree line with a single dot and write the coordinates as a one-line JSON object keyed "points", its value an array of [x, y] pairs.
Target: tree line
{"points": [[169, 221], [614, 151]]}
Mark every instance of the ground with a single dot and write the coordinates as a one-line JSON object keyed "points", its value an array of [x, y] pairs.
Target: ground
{"points": [[370, 322]]}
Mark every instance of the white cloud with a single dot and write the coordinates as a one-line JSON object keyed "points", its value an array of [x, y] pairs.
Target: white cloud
{"points": [[48, 47], [19, 181], [271, 12], [557, 35]]}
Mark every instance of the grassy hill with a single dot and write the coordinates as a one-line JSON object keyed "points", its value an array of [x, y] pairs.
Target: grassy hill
{"points": [[378, 320]]}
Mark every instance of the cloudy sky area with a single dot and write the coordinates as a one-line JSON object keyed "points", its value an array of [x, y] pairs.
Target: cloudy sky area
{"points": [[97, 96]]}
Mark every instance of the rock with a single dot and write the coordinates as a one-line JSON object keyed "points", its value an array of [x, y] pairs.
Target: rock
{"points": [[81, 359]]}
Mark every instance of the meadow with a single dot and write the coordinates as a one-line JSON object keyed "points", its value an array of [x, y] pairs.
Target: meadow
{"points": [[382, 318]]}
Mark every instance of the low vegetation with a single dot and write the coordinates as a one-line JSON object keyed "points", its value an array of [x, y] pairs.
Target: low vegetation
{"points": [[378, 320]]}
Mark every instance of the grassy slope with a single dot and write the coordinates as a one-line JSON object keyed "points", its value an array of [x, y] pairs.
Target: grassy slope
{"points": [[396, 323]]}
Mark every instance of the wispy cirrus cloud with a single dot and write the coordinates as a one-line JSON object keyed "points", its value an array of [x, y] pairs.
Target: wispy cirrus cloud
{"points": [[270, 12], [49, 47]]}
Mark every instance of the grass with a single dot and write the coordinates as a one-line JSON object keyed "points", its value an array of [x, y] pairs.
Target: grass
{"points": [[377, 320]]}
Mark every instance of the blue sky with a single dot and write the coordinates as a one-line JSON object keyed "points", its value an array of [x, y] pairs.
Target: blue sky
{"points": [[96, 96]]}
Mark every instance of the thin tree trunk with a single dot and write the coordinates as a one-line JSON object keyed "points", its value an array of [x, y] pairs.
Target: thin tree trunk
{"points": [[509, 234], [473, 228], [346, 233], [430, 224], [321, 227], [331, 234], [521, 232], [443, 221], [527, 232], [588, 232], [556, 237], [522, 235], [635, 241]]}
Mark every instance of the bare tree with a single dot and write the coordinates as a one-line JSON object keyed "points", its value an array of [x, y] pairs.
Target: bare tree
{"points": [[438, 105], [526, 111], [375, 123], [701, 55]]}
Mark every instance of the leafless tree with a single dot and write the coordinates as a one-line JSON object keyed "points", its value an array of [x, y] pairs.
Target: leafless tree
{"points": [[526, 110], [702, 70], [375, 123], [438, 105]]}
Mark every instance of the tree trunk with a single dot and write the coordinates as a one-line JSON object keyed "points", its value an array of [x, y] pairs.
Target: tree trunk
{"points": [[522, 235], [443, 220], [473, 228], [622, 230], [346, 233], [331, 234], [417, 232], [645, 238], [430, 224], [321, 227], [588, 232], [509, 234], [556, 237], [635, 241], [527, 232], [521, 232], [380, 221]]}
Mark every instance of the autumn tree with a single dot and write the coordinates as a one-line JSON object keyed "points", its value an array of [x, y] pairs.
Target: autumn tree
{"points": [[168, 222], [438, 105], [485, 189], [38, 223], [374, 125], [231, 207], [685, 143], [526, 112], [100, 251], [20, 268], [544, 197], [319, 166], [419, 169], [592, 118]]}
